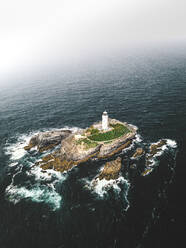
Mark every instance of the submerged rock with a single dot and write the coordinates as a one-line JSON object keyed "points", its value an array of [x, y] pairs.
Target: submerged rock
{"points": [[111, 170], [146, 171]]}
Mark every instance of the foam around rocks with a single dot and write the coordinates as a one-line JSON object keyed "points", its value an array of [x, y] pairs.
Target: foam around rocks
{"points": [[101, 187], [37, 194], [157, 149]]}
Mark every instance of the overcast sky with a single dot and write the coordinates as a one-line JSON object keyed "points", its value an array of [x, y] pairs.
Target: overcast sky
{"points": [[46, 31]]}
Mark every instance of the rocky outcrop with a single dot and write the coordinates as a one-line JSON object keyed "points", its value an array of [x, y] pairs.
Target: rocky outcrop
{"points": [[139, 152], [72, 151], [146, 171], [154, 149], [47, 140], [111, 170], [108, 150]]}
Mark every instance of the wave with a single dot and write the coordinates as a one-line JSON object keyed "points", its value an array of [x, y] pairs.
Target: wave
{"points": [[138, 138], [37, 194], [101, 187], [42, 189], [16, 150], [46, 175], [171, 143]]}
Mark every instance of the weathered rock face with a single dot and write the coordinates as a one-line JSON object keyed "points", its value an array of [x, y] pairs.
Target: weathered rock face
{"points": [[70, 150], [111, 170], [47, 140], [108, 150]]}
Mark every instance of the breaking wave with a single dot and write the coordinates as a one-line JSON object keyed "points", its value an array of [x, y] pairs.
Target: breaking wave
{"points": [[41, 183], [102, 187], [16, 150], [36, 194]]}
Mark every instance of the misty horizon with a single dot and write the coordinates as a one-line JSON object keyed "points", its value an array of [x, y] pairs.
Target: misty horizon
{"points": [[41, 34]]}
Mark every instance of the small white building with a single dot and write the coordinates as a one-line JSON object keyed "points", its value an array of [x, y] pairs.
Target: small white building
{"points": [[105, 124]]}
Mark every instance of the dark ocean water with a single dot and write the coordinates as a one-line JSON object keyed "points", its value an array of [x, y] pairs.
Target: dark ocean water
{"points": [[54, 210]]}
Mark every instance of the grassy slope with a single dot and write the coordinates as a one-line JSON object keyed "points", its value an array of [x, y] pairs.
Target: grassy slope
{"points": [[118, 131]]}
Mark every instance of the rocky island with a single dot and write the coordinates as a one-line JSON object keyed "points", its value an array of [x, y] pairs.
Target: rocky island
{"points": [[66, 148], [101, 140]]}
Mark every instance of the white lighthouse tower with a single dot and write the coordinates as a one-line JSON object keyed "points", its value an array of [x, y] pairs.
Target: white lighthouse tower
{"points": [[105, 120]]}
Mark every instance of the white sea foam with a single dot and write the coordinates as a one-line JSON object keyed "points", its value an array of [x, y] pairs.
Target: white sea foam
{"points": [[16, 150], [36, 194], [101, 187], [138, 138], [153, 162], [171, 143], [13, 164], [46, 175]]}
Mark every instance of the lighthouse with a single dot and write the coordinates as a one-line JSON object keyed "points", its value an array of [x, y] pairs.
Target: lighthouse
{"points": [[105, 120]]}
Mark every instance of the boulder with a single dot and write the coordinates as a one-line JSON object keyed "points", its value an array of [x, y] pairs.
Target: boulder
{"points": [[111, 170], [154, 148], [57, 164], [138, 152]]}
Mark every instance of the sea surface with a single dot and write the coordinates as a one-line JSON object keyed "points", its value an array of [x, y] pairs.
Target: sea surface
{"points": [[54, 210]]}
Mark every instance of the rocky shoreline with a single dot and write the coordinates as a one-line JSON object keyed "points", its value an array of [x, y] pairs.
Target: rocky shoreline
{"points": [[47, 140], [73, 150]]}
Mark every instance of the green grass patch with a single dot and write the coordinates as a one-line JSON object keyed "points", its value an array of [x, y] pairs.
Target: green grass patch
{"points": [[118, 131], [94, 131], [88, 143]]}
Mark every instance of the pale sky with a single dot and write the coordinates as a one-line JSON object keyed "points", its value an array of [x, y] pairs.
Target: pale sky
{"points": [[37, 32]]}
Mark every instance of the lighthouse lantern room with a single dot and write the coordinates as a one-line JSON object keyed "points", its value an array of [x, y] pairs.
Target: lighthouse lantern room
{"points": [[104, 121]]}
